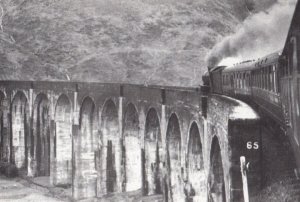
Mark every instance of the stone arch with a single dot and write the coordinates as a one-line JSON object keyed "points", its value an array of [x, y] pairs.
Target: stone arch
{"points": [[195, 163], [20, 125], [216, 180], [173, 140], [85, 149], [132, 149], [111, 148], [63, 141], [40, 140], [153, 152]]}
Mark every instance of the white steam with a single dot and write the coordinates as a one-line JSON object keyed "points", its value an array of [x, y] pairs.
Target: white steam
{"points": [[260, 34]]}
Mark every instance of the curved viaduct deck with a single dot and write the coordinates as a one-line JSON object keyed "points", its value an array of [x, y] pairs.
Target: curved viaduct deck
{"points": [[103, 138]]}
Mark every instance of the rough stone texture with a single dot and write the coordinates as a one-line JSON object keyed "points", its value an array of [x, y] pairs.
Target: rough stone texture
{"points": [[195, 164], [111, 138], [153, 154], [133, 152], [19, 125], [63, 142], [110, 162]]}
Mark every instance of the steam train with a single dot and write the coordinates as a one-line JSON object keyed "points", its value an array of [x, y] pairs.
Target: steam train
{"points": [[257, 81], [271, 84]]}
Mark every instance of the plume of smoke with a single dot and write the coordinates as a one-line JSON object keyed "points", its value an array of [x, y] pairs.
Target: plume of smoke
{"points": [[260, 34]]}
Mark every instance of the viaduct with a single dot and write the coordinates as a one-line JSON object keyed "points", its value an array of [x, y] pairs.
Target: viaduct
{"points": [[103, 138]]}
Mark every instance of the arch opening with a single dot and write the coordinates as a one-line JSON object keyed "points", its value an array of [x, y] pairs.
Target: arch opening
{"points": [[111, 146], [174, 157], [40, 140], [85, 150], [20, 125], [153, 152], [132, 147], [63, 141], [216, 192], [195, 163]]}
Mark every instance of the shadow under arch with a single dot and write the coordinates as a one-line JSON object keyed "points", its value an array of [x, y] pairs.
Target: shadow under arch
{"points": [[40, 139], [62, 139], [195, 163], [85, 181], [20, 140], [132, 149], [173, 140], [216, 182], [152, 156], [111, 147]]}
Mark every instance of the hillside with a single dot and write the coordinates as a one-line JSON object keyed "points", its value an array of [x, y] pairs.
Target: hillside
{"points": [[150, 41]]}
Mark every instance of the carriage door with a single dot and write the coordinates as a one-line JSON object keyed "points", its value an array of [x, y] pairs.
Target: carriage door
{"points": [[295, 94]]}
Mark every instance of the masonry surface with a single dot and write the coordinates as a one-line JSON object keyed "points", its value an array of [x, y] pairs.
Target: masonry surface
{"points": [[105, 138]]}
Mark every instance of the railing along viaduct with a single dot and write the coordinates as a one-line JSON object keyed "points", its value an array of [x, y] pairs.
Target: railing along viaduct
{"points": [[103, 138]]}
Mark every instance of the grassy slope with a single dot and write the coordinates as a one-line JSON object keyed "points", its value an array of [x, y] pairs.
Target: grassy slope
{"points": [[113, 41]]}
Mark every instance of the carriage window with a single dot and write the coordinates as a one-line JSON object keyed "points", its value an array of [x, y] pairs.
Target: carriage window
{"points": [[244, 80], [256, 79], [298, 52], [294, 55], [228, 79], [234, 80], [267, 78], [271, 84], [277, 78], [241, 80], [290, 57], [286, 67], [238, 80], [274, 78], [262, 79]]}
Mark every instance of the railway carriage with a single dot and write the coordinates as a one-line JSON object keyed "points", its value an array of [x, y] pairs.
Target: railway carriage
{"points": [[272, 83], [255, 82], [290, 83]]}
